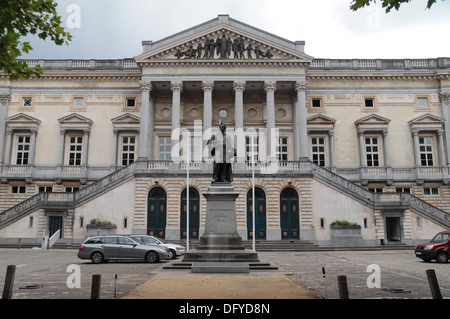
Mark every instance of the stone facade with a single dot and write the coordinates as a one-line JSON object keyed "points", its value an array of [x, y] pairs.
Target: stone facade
{"points": [[100, 135]]}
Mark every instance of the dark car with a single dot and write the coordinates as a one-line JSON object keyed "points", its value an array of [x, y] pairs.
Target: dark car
{"points": [[103, 248], [437, 249]]}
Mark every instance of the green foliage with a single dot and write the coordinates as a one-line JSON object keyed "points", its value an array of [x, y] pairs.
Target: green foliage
{"points": [[97, 221], [343, 223], [387, 4], [19, 18]]}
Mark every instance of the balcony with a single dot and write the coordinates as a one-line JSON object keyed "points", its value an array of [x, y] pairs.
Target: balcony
{"points": [[354, 174]]}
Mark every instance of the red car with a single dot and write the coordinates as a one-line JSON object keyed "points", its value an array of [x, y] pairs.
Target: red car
{"points": [[438, 248]]}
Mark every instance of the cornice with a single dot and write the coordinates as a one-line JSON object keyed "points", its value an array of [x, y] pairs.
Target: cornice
{"points": [[223, 63]]}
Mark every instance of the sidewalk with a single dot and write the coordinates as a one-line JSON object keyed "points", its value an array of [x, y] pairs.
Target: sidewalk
{"points": [[185, 285]]}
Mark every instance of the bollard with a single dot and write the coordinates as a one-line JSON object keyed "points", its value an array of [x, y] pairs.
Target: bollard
{"points": [[95, 287], [342, 286], [9, 282], [434, 285]]}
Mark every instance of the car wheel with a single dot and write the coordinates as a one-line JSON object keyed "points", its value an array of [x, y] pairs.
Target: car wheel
{"points": [[442, 257], [172, 254], [97, 257], [152, 257]]}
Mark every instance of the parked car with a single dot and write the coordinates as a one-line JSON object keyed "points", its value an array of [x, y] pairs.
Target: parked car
{"points": [[175, 250], [103, 248], [438, 248]]}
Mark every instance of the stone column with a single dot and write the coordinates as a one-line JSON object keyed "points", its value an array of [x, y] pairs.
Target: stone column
{"points": [[144, 131], [115, 148], [177, 87], [441, 151], [331, 148], [362, 162], [5, 98], [62, 139], [295, 127], [301, 121], [444, 98], [208, 87], [85, 147], [9, 132], [32, 147], [270, 87], [387, 162], [239, 87], [416, 148]]}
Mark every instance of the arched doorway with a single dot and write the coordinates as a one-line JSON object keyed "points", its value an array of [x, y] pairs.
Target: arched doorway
{"points": [[194, 214], [156, 212], [260, 214], [289, 216]]}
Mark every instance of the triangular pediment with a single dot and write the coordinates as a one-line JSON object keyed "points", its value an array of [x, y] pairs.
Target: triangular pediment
{"points": [[372, 119], [223, 39], [126, 119], [75, 118], [426, 119], [22, 119], [320, 119]]}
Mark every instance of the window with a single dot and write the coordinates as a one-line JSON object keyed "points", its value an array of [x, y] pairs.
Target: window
{"points": [[369, 102], [223, 113], [282, 149], [30, 224], [318, 150], [406, 190], [75, 150], [18, 189], [252, 148], [426, 151], [165, 148], [26, 102], [71, 189], [316, 103], [195, 149], [130, 102], [78, 102], [376, 190], [23, 150], [128, 150], [431, 191], [45, 189], [372, 152], [422, 102]]}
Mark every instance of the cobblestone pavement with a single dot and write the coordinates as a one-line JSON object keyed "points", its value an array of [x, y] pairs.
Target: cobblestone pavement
{"points": [[399, 270]]}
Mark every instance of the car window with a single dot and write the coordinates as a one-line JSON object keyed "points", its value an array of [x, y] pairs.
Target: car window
{"points": [[149, 240], [440, 238], [96, 240], [111, 240], [126, 241]]}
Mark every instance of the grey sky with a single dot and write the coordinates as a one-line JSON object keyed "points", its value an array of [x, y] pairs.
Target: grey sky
{"points": [[116, 28]]}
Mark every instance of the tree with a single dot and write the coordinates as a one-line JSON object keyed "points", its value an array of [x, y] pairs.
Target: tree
{"points": [[19, 18], [387, 4]]}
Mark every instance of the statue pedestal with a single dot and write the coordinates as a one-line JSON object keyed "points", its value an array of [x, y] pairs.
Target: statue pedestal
{"points": [[221, 241]]}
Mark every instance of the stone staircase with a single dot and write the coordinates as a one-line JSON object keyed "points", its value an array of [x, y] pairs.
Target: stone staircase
{"points": [[63, 201]]}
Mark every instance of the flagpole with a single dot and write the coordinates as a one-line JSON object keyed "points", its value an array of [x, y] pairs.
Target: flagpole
{"points": [[253, 195], [187, 192]]}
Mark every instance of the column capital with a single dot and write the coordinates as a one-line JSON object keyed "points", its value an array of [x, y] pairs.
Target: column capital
{"points": [[270, 86], [208, 86], [444, 97], [301, 85], [145, 86], [5, 97], [239, 86], [176, 86]]}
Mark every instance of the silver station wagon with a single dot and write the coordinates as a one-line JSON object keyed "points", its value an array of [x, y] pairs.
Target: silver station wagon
{"points": [[103, 248]]}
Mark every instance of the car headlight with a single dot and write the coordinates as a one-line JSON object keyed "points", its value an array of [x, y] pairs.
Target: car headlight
{"points": [[429, 247]]}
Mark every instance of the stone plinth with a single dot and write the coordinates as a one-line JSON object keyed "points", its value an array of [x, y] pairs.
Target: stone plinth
{"points": [[221, 241]]}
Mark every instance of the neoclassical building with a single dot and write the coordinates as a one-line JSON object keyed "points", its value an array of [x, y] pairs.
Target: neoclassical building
{"points": [[364, 141]]}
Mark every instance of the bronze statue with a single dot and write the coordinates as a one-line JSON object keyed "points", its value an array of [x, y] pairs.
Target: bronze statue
{"points": [[222, 148]]}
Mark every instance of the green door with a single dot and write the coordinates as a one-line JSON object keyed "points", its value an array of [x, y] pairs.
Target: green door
{"points": [[260, 214], [289, 216], [156, 213], [194, 214]]}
